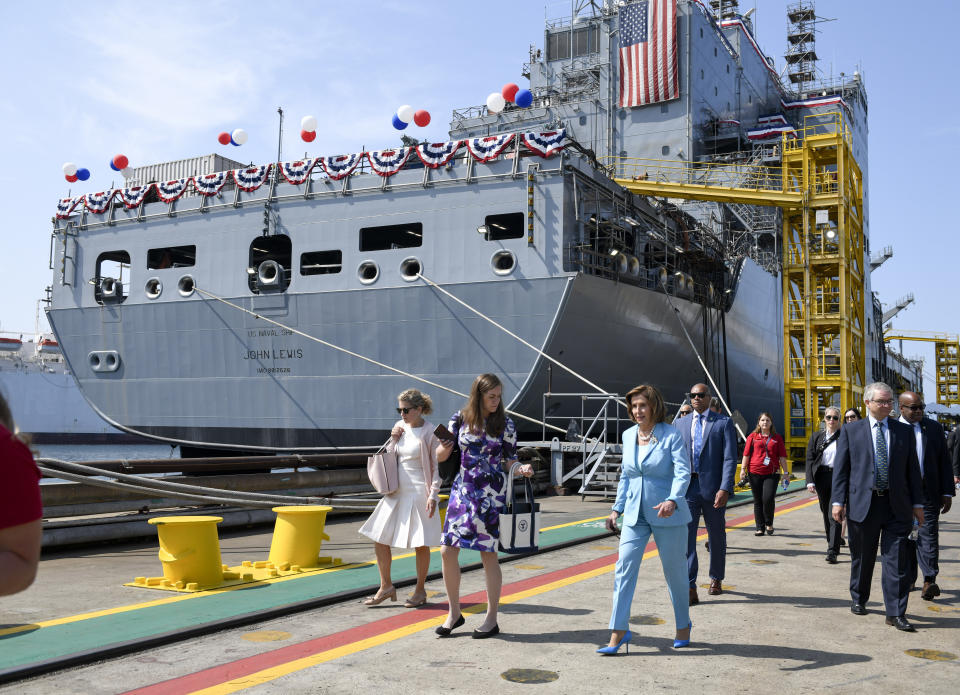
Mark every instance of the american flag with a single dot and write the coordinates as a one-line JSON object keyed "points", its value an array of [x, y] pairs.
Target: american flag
{"points": [[648, 52]]}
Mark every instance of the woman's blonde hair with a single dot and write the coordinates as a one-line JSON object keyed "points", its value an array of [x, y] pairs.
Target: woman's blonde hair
{"points": [[417, 400], [773, 428], [658, 411], [496, 422]]}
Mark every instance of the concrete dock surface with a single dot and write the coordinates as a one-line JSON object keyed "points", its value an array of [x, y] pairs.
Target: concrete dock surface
{"points": [[783, 624]]}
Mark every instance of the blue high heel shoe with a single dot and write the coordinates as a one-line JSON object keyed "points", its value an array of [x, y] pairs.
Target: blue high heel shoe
{"points": [[677, 643], [624, 641]]}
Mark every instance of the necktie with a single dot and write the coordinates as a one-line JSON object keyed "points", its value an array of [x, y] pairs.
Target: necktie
{"points": [[697, 441], [880, 460], [918, 435]]}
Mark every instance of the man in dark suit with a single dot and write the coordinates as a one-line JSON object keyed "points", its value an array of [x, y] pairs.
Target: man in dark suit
{"points": [[953, 443], [711, 444], [878, 488], [937, 473]]}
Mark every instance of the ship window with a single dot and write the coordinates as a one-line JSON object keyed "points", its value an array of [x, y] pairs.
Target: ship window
{"points": [[269, 265], [393, 236], [714, 51], [171, 257], [701, 32], [728, 68], [509, 226], [701, 74], [108, 283], [665, 150], [585, 41], [558, 46], [321, 262]]}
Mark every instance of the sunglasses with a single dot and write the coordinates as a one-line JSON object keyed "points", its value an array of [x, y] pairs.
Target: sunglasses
{"points": [[913, 407], [850, 417], [697, 394], [831, 417], [404, 411]]}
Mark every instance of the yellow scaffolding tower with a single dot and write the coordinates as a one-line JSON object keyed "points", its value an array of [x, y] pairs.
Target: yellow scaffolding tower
{"points": [[946, 348], [819, 186]]}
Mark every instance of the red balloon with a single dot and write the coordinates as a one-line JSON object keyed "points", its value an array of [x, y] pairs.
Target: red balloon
{"points": [[509, 91], [121, 161], [308, 135], [422, 118], [72, 178], [223, 138]]}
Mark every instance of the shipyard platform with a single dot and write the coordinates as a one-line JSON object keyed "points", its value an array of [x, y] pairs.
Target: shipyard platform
{"points": [[782, 622]]}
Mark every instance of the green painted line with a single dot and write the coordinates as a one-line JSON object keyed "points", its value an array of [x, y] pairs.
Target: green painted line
{"points": [[57, 641]]}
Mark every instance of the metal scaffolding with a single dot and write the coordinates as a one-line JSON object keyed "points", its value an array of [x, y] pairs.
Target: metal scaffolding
{"points": [[946, 348]]}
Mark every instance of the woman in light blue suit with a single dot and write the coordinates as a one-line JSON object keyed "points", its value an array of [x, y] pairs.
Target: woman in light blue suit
{"points": [[650, 498]]}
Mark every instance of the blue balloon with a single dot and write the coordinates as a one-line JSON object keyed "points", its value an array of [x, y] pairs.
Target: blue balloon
{"points": [[113, 166], [398, 124], [524, 98], [83, 174], [234, 142]]}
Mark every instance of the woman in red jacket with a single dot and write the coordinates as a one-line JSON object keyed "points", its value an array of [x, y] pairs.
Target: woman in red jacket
{"points": [[764, 454]]}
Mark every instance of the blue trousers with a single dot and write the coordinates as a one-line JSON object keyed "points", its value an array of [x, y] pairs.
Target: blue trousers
{"points": [[716, 522], [671, 546], [926, 551], [882, 528]]}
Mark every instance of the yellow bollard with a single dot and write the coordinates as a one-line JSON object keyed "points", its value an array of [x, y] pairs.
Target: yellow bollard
{"points": [[190, 550], [298, 535], [442, 506]]}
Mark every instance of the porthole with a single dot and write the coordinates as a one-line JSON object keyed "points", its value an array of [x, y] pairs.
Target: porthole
{"points": [[410, 268], [503, 262], [368, 272], [153, 288], [185, 285]]}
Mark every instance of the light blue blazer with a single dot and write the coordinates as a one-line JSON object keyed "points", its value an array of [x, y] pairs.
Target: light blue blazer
{"points": [[663, 474]]}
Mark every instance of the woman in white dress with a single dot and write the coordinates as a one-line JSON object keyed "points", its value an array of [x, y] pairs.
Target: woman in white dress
{"points": [[408, 517]]}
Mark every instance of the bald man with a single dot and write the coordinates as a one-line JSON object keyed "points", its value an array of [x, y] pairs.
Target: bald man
{"points": [[937, 473]]}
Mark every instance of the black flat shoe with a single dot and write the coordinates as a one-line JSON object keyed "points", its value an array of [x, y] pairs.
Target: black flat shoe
{"points": [[832, 558], [899, 622], [758, 532], [495, 630], [858, 609], [445, 631], [769, 530]]}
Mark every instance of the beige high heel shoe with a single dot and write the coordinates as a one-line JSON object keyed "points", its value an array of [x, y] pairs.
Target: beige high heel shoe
{"points": [[379, 598], [415, 600]]}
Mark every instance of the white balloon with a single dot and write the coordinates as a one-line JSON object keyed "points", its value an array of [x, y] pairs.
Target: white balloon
{"points": [[405, 113], [239, 136], [69, 169], [496, 102], [127, 172], [308, 123]]}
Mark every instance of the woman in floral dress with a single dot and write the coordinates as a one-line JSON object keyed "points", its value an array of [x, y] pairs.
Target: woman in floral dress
{"points": [[488, 444]]}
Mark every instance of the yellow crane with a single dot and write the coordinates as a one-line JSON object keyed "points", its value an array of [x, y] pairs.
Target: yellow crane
{"points": [[819, 187], [946, 348]]}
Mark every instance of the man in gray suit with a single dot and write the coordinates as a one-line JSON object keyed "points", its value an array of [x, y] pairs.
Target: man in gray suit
{"points": [[878, 488], [711, 444]]}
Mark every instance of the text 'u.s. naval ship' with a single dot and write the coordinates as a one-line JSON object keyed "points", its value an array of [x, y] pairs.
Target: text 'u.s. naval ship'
{"points": [[187, 305]]}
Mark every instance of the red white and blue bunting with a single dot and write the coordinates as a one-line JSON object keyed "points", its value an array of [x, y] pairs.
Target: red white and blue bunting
{"points": [[251, 178], [297, 172], [340, 166], [546, 143], [210, 184], [66, 205], [98, 203], [489, 148], [388, 162], [169, 191], [773, 131], [437, 154], [132, 197]]}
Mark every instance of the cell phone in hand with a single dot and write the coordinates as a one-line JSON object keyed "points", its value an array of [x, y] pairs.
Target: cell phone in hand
{"points": [[444, 435]]}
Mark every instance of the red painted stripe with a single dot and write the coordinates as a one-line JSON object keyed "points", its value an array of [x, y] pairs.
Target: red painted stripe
{"points": [[259, 662]]}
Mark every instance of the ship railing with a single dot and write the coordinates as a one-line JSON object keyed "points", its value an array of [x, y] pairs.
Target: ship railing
{"points": [[741, 175]]}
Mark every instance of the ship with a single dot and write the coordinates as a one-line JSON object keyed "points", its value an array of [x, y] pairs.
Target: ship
{"points": [[282, 306]]}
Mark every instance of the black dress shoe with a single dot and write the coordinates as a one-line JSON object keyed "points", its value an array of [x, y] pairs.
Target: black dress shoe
{"points": [[899, 622], [445, 631], [832, 558], [495, 630], [858, 609], [930, 591]]}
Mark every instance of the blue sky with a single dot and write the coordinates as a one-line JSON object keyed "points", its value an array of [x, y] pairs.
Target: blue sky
{"points": [[158, 81]]}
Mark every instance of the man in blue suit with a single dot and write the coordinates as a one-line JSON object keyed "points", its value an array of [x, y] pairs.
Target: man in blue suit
{"points": [[878, 488], [937, 473], [711, 444]]}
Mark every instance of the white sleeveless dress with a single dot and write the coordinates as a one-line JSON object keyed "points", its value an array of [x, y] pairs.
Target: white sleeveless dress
{"points": [[400, 520]]}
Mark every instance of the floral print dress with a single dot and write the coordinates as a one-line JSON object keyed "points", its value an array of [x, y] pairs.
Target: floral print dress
{"points": [[478, 492]]}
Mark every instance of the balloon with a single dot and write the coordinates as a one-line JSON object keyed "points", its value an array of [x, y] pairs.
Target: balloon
{"points": [[509, 91], [422, 118], [239, 136], [397, 123], [72, 178], [405, 113], [83, 174], [496, 102], [113, 166], [223, 138], [127, 172], [120, 162], [524, 98], [69, 169], [308, 135], [308, 123]]}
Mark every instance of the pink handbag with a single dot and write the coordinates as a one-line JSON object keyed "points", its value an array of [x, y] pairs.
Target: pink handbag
{"points": [[382, 469]]}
